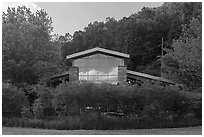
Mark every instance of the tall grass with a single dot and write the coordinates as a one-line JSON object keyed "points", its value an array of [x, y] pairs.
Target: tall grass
{"points": [[90, 123]]}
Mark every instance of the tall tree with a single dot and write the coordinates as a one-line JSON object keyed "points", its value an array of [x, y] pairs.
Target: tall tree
{"points": [[183, 64], [28, 52]]}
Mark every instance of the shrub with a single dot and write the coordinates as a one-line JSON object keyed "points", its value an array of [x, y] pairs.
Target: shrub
{"points": [[26, 112], [148, 99], [83, 106], [42, 106], [38, 109], [91, 122], [13, 100]]}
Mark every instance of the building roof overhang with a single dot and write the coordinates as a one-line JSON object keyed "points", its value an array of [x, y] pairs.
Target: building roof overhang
{"points": [[134, 74], [97, 50], [60, 75]]}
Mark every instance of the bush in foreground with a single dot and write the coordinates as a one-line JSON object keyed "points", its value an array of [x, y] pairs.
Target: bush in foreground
{"points": [[148, 99], [88, 106], [91, 123], [13, 100]]}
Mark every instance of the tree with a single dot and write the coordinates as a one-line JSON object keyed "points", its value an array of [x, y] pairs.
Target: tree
{"points": [[139, 35], [13, 100], [183, 64], [67, 38], [27, 50]]}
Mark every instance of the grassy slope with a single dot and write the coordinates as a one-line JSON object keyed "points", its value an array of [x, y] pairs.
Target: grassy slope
{"points": [[172, 131]]}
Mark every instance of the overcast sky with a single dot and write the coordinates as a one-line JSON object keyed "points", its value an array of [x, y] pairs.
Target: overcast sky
{"points": [[71, 17]]}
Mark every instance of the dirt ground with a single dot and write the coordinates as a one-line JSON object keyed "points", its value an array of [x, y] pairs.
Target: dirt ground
{"points": [[167, 131]]}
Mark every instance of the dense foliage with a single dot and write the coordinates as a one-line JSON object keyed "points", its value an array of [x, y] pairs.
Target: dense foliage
{"points": [[148, 99], [28, 54], [31, 53], [13, 100], [183, 63], [104, 106], [139, 35]]}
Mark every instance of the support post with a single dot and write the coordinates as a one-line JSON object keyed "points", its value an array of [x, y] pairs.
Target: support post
{"points": [[74, 74], [122, 74]]}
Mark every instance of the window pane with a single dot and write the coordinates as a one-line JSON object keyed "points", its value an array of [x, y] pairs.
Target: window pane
{"points": [[113, 71], [83, 70], [103, 62], [92, 78], [99, 68], [112, 78], [92, 62], [92, 71], [102, 78], [116, 61], [83, 78], [103, 70], [80, 62]]}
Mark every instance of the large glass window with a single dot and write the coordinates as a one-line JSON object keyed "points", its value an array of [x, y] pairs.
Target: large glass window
{"points": [[99, 68]]}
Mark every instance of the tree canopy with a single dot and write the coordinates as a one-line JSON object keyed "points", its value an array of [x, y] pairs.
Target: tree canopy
{"points": [[28, 52], [183, 63], [139, 35]]}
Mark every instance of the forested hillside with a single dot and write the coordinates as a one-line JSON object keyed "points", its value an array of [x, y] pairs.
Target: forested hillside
{"points": [[139, 35], [31, 53]]}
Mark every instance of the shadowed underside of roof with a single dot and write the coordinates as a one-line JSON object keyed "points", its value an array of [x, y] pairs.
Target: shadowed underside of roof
{"points": [[134, 74], [97, 49], [60, 75]]}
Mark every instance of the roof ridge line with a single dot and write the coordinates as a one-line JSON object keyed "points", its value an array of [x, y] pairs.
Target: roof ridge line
{"points": [[81, 53]]}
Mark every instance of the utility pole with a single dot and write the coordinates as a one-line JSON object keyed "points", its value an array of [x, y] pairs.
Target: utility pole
{"points": [[162, 56]]}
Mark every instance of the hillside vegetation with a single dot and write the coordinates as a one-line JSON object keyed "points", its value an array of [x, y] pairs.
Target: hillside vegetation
{"points": [[31, 54]]}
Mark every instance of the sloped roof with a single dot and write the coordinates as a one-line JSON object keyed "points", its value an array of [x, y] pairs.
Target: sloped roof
{"points": [[97, 49], [134, 73], [60, 75]]}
